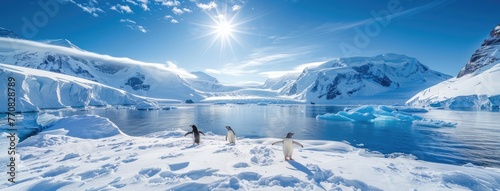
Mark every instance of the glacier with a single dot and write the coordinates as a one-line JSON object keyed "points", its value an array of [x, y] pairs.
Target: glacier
{"points": [[38, 89], [61, 56]]}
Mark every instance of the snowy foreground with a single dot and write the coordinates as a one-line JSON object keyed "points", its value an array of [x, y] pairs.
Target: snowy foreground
{"points": [[91, 153]]}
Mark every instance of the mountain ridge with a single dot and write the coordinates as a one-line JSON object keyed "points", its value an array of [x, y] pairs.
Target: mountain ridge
{"points": [[343, 80], [476, 87]]}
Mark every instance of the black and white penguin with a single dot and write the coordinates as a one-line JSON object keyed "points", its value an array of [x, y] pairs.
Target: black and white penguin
{"points": [[288, 146], [196, 134], [230, 136]]}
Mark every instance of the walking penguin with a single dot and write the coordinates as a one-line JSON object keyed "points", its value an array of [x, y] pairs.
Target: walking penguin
{"points": [[196, 134], [288, 146], [231, 136]]}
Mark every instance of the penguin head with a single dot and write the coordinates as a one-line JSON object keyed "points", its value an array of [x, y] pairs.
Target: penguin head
{"points": [[193, 126], [228, 128], [289, 135]]}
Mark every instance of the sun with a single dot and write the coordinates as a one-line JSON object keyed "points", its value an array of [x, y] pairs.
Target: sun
{"points": [[224, 32], [224, 29]]}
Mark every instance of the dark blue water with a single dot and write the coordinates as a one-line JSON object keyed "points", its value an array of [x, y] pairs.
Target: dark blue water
{"points": [[476, 138]]}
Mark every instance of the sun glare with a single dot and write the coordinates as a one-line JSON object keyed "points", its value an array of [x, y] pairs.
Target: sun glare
{"points": [[224, 29]]}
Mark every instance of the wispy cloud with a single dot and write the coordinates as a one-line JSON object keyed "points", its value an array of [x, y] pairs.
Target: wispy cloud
{"points": [[169, 3], [141, 28], [335, 27], [127, 21], [133, 25], [260, 60], [247, 66], [208, 6], [16, 44], [91, 7], [236, 7], [177, 11], [145, 7], [121, 8], [132, 2], [296, 70], [172, 20]]}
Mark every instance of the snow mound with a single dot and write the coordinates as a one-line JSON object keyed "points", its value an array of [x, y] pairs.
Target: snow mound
{"points": [[383, 113], [79, 126]]}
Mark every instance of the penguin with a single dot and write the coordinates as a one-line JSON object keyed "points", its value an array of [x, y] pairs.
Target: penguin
{"points": [[230, 135], [196, 134], [288, 146]]}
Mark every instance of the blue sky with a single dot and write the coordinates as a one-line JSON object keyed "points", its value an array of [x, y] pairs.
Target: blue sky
{"points": [[244, 41]]}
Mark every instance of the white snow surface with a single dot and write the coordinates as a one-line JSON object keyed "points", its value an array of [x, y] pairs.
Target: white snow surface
{"points": [[475, 91], [90, 153], [39, 89]]}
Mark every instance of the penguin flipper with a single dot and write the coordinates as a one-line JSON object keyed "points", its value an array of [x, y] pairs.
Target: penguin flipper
{"points": [[297, 143], [226, 137], [277, 142], [202, 133], [188, 133]]}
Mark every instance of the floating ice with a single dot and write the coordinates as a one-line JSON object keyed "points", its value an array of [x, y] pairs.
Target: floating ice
{"points": [[433, 123], [384, 113], [147, 106]]}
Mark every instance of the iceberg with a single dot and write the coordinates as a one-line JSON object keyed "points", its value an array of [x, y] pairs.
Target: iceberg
{"points": [[384, 113]]}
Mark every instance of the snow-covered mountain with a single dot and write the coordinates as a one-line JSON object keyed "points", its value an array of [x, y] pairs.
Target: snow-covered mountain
{"points": [[383, 79], [206, 83], [280, 82], [475, 87], [487, 54], [37, 89], [61, 42], [8, 33], [61, 56]]}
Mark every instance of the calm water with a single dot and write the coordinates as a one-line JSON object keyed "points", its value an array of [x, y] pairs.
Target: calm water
{"points": [[476, 138]]}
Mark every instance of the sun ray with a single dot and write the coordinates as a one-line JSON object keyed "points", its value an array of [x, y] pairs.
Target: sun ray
{"points": [[224, 29]]}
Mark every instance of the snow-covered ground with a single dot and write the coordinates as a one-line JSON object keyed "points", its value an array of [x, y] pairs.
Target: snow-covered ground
{"points": [[91, 153]]}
